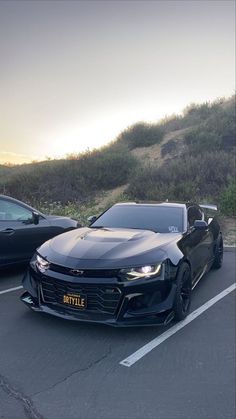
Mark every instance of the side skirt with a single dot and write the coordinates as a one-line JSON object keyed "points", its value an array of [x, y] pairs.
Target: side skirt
{"points": [[205, 269]]}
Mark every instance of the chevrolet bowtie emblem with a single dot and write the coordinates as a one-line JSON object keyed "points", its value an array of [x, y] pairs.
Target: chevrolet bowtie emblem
{"points": [[76, 272]]}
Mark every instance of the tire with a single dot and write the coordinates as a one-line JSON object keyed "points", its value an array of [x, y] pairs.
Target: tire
{"points": [[219, 253], [182, 302]]}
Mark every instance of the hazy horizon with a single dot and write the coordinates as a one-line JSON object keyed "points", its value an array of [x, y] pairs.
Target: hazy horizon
{"points": [[75, 74]]}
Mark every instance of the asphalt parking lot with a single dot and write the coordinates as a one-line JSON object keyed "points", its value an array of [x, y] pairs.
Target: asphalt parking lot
{"points": [[55, 369]]}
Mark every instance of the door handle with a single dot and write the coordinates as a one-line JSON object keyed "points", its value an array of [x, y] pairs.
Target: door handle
{"points": [[8, 231]]}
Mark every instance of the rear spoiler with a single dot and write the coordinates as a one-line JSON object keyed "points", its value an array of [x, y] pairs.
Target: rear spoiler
{"points": [[208, 206]]}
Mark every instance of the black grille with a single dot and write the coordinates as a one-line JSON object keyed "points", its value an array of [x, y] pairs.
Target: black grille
{"points": [[87, 273], [100, 298]]}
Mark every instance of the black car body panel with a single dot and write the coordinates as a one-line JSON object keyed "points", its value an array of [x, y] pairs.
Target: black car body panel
{"points": [[91, 264], [105, 248], [20, 236]]}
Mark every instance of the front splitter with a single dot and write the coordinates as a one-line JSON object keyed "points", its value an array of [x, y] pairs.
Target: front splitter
{"points": [[161, 319]]}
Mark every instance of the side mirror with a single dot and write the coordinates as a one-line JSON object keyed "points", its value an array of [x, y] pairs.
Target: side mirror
{"points": [[200, 225], [35, 217], [91, 219]]}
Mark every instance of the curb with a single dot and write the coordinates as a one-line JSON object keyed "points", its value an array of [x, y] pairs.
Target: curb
{"points": [[229, 248]]}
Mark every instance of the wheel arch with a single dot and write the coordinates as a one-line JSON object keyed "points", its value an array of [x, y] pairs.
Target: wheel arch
{"points": [[181, 262]]}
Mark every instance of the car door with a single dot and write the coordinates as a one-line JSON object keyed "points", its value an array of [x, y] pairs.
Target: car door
{"points": [[198, 242], [19, 236]]}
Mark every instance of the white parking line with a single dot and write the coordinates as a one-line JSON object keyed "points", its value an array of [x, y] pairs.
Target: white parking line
{"points": [[11, 289], [144, 350]]}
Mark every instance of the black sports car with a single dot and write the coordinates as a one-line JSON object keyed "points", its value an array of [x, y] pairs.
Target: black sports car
{"points": [[23, 229], [135, 265]]}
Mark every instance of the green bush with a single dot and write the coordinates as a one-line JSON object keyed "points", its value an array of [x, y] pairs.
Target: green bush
{"points": [[228, 199], [71, 180], [184, 178], [142, 135], [217, 132]]}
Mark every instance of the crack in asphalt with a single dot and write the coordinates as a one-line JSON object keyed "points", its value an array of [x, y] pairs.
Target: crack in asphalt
{"points": [[89, 366], [91, 405], [29, 409]]}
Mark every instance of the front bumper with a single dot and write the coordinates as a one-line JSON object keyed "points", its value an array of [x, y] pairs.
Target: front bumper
{"points": [[141, 302]]}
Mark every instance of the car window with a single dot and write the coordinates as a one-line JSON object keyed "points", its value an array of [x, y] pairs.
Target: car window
{"points": [[9, 211], [161, 219], [194, 213]]}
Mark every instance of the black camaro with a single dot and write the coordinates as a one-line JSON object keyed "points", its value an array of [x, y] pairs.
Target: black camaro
{"points": [[136, 264], [23, 229]]}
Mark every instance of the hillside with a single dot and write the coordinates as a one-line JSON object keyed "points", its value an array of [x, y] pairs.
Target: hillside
{"points": [[183, 157]]}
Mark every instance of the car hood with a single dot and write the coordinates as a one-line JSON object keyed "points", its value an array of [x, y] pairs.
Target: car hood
{"points": [[61, 221], [107, 247]]}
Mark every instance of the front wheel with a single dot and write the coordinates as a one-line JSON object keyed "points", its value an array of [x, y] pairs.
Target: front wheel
{"points": [[183, 293]]}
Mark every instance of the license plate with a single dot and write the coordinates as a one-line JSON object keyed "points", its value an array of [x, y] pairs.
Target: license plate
{"points": [[75, 300]]}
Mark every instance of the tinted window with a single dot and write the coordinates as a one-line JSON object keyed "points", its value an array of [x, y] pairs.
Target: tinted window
{"points": [[194, 213], [147, 217], [9, 211]]}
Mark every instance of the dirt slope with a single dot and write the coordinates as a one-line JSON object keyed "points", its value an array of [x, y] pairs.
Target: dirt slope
{"points": [[171, 146]]}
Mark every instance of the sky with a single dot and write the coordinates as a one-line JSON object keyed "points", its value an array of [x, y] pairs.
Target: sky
{"points": [[74, 74]]}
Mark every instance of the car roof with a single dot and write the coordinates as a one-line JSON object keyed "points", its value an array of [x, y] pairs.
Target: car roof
{"points": [[16, 201], [159, 204], [10, 198]]}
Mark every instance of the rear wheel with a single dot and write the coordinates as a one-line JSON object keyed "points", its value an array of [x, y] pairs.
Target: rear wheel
{"points": [[219, 252], [183, 293]]}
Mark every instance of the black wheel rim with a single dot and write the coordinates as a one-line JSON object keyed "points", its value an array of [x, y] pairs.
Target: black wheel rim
{"points": [[185, 291]]}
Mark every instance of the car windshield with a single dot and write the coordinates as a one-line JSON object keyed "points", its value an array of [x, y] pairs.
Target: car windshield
{"points": [[157, 218]]}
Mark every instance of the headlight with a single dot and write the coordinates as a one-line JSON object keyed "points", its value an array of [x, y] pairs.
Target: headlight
{"points": [[42, 263], [146, 271]]}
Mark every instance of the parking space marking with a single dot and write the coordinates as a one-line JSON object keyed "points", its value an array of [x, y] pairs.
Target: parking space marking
{"points": [[11, 289], [144, 350]]}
